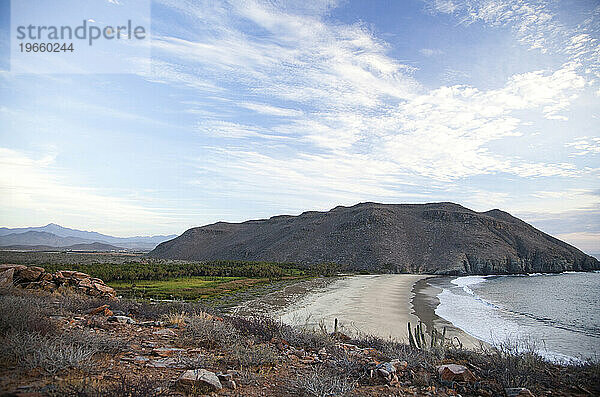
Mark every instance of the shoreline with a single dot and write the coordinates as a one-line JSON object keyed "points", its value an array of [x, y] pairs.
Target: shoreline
{"points": [[378, 305], [424, 302]]}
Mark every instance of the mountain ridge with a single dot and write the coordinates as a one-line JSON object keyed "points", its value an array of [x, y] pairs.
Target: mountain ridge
{"points": [[78, 236], [439, 238]]}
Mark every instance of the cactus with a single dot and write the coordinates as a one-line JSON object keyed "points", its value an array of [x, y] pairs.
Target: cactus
{"points": [[417, 339], [411, 338]]}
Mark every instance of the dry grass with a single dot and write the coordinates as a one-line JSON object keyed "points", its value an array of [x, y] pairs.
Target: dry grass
{"points": [[177, 319]]}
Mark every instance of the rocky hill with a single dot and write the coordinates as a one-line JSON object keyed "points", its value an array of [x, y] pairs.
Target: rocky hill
{"points": [[439, 238]]}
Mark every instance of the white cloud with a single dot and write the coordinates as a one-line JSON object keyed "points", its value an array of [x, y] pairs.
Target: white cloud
{"points": [[271, 110], [357, 100], [536, 24], [34, 188], [429, 52], [585, 145]]}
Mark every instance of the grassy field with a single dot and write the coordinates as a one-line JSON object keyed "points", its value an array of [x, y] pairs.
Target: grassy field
{"points": [[189, 288], [218, 283]]}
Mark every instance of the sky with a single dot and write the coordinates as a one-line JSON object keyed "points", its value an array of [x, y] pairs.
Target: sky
{"points": [[250, 109]]}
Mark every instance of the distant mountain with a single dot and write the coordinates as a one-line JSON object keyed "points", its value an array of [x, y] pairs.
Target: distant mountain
{"points": [[40, 238], [137, 243], [93, 247], [96, 247], [438, 238]]}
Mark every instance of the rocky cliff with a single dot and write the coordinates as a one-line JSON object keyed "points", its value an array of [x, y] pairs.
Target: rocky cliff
{"points": [[439, 238]]}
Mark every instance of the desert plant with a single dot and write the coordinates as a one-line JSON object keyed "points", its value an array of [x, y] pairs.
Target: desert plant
{"points": [[259, 327], [417, 339], [49, 353], [243, 355], [121, 387], [54, 353], [175, 318], [209, 332], [322, 381]]}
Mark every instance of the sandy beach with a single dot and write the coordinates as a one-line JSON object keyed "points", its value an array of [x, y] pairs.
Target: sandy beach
{"points": [[369, 304], [380, 305]]}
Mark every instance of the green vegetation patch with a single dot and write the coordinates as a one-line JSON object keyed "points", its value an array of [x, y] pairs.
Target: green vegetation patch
{"points": [[187, 288]]}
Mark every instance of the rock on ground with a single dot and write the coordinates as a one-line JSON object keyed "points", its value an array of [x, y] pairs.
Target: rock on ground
{"points": [[455, 372], [198, 378]]}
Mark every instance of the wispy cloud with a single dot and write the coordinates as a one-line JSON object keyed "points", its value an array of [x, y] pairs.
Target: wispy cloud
{"points": [[271, 110], [353, 101]]}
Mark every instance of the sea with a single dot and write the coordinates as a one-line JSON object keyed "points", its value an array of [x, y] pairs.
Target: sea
{"points": [[558, 315]]}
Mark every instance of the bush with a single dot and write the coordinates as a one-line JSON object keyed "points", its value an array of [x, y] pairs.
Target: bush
{"points": [[391, 349], [308, 338], [157, 311], [259, 327], [244, 356], [124, 386], [54, 353], [322, 381], [26, 313], [207, 331]]}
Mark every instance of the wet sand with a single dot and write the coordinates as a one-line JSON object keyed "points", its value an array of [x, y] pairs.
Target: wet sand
{"points": [[270, 304], [424, 303]]}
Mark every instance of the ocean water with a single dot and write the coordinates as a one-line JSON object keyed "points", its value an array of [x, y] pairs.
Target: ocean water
{"points": [[558, 313]]}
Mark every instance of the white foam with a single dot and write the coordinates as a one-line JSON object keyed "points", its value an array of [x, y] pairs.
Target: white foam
{"points": [[482, 319]]}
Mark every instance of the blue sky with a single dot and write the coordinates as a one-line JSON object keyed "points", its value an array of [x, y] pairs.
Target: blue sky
{"points": [[251, 109]]}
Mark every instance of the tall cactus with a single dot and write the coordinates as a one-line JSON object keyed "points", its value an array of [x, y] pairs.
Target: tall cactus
{"points": [[417, 339]]}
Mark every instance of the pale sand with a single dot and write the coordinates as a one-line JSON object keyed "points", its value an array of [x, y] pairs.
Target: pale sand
{"points": [[371, 304]]}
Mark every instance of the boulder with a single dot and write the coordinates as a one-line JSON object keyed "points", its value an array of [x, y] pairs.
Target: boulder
{"points": [[6, 278], [103, 310], [455, 373], [104, 288], [198, 379], [29, 274], [33, 277], [79, 275], [64, 273], [46, 277], [518, 392], [165, 332], [16, 268], [85, 283], [227, 380], [388, 367], [121, 320]]}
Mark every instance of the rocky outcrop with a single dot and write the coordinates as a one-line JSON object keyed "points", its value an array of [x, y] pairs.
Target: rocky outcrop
{"points": [[439, 238], [34, 277]]}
